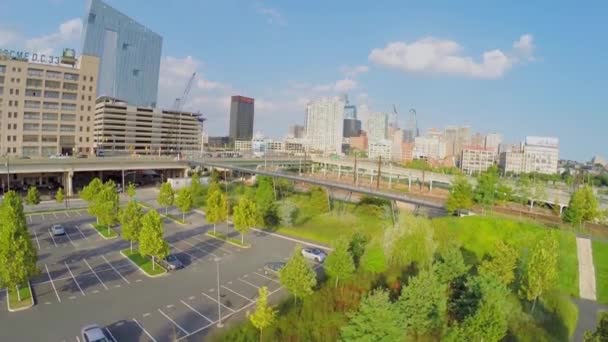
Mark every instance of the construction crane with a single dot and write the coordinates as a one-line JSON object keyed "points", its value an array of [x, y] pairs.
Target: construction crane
{"points": [[180, 101]]}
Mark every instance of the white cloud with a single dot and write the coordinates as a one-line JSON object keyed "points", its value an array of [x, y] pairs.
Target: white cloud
{"points": [[440, 56], [273, 16], [354, 71], [69, 32], [525, 46], [345, 85]]}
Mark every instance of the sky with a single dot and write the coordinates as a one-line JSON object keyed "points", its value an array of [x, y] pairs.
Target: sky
{"points": [[515, 67]]}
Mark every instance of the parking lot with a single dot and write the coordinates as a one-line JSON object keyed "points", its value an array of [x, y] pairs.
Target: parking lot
{"points": [[84, 279]]}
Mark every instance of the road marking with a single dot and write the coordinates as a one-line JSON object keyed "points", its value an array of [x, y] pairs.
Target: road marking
{"points": [[91, 268], [183, 251], [212, 245], [146, 314], [52, 283], [115, 270], [222, 304], [144, 330], [81, 233], [77, 339], [72, 274], [72, 297], [196, 311], [52, 237], [79, 213], [29, 217], [69, 238], [200, 249], [109, 333], [36, 236], [43, 218], [263, 276], [68, 213], [248, 283], [138, 280], [172, 321], [236, 293], [95, 291], [54, 215], [191, 298]]}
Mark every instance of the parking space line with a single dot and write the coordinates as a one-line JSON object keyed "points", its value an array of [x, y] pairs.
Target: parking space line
{"points": [[174, 322], [91, 268], [54, 215], [52, 237], [248, 283], [200, 249], [144, 330], [196, 311], [43, 218], [215, 300], [52, 283], [115, 270], [111, 336], [81, 233], [236, 293], [263, 276], [68, 213], [72, 274], [212, 245], [69, 238], [36, 236], [29, 217], [77, 339], [183, 251]]}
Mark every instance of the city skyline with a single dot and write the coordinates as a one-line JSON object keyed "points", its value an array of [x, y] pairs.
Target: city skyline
{"points": [[521, 81]]}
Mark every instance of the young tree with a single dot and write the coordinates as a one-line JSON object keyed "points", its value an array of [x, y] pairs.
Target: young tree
{"points": [[541, 271], [33, 196], [288, 212], [17, 254], [89, 192], [410, 242], [246, 216], [297, 276], [59, 196], [339, 264], [524, 189], [105, 205], [131, 191], [487, 183], [374, 259], [376, 320], [460, 196], [217, 207], [502, 263], [356, 246], [601, 331], [130, 220], [450, 264], [264, 315], [184, 201], [319, 200], [583, 206], [504, 193], [166, 196], [151, 241], [197, 190]]}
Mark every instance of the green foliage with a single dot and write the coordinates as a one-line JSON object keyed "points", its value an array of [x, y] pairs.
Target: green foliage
{"points": [[184, 201], [339, 264], [131, 191], [410, 242], [450, 264], [284, 187], [600, 261], [217, 206], [33, 196], [264, 315], [504, 193], [89, 192], [524, 189], [287, 212], [215, 176], [376, 320], [264, 198], [151, 241], [541, 271], [198, 191], [600, 334], [246, 216], [59, 196], [423, 304], [460, 196], [297, 276], [356, 246], [166, 196], [105, 204], [319, 200], [583, 206], [423, 165], [502, 263], [373, 259], [130, 221], [487, 183]]}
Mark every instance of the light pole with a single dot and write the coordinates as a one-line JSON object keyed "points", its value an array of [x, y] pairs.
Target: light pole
{"points": [[219, 303], [8, 171]]}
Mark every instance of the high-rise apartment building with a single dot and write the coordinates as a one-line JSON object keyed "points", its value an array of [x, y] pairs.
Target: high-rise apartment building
{"points": [[129, 55], [541, 154], [46, 108], [377, 127], [295, 132], [430, 147], [324, 125], [456, 138], [476, 159], [241, 118]]}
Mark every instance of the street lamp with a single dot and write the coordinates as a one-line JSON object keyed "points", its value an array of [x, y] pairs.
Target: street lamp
{"points": [[219, 303]]}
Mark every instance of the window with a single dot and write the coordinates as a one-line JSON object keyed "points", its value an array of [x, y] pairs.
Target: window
{"points": [[32, 93], [10, 115], [15, 115], [49, 116], [33, 83], [49, 127], [68, 128], [84, 78], [91, 78], [16, 91], [52, 84], [32, 104], [80, 128], [51, 94], [50, 105], [92, 17], [70, 77], [70, 96], [90, 88], [31, 116], [10, 91], [87, 141], [2, 69], [68, 117], [84, 88], [135, 72], [30, 126], [30, 151], [53, 74], [49, 138], [89, 97], [35, 72], [70, 86], [82, 97], [68, 106], [88, 130], [30, 138]]}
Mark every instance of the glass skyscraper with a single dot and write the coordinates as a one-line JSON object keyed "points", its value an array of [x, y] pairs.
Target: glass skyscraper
{"points": [[129, 55]]}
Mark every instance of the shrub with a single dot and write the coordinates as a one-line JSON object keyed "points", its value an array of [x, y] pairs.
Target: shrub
{"points": [[287, 213]]}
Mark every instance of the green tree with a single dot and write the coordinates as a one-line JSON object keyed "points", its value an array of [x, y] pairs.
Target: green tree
{"points": [[297, 276], [17, 255], [216, 210], [450, 264], [319, 200], [339, 264], [184, 201], [376, 320], [541, 271], [423, 304], [524, 189], [410, 242], [265, 200], [33, 196], [460, 196], [198, 191], [583, 206], [130, 220], [246, 216], [131, 191], [264, 315], [288, 213], [151, 241], [59, 196], [487, 183], [374, 259], [601, 331], [502, 263], [166, 196], [504, 193], [105, 205], [89, 192], [356, 247]]}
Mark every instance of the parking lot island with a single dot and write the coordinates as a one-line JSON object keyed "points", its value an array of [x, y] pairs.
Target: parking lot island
{"points": [[104, 231], [27, 299], [227, 239], [144, 263]]}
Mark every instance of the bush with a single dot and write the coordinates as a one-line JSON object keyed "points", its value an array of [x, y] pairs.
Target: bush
{"points": [[287, 213]]}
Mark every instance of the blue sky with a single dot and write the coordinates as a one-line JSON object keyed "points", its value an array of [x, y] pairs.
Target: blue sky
{"points": [[544, 72]]}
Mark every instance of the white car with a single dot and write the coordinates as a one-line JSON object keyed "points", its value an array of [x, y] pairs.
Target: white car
{"points": [[314, 254], [94, 333], [57, 230]]}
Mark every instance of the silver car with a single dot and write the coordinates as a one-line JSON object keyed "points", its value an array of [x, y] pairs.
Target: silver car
{"points": [[94, 333], [314, 254], [57, 230]]}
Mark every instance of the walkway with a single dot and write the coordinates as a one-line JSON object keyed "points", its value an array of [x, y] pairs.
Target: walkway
{"points": [[586, 270]]}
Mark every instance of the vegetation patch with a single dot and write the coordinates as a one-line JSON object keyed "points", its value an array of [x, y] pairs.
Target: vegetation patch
{"points": [[25, 293], [600, 261], [105, 232], [226, 238], [144, 263]]}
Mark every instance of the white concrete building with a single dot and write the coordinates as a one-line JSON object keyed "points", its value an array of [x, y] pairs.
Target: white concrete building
{"points": [[541, 154], [429, 147], [324, 125], [493, 141], [476, 159], [377, 127], [242, 145], [380, 148], [511, 162]]}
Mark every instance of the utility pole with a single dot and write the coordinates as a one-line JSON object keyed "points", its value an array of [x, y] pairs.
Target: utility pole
{"points": [[379, 172], [219, 303]]}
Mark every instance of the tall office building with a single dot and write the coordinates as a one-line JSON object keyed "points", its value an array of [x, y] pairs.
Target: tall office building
{"points": [[456, 138], [129, 55], [411, 127], [352, 125], [241, 118], [377, 127], [324, 125]]}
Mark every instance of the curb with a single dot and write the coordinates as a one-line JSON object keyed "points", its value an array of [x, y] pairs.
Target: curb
{"points": [[142, 270], [228, 241], [8, 305], [105, 238], [145, 206], [293, 239]]}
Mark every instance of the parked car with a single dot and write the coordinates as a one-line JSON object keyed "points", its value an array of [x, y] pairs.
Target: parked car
{"points": [[58, 156], [172, 263], [94, 333], [82, 155], [315, 254], [273, 267], [57, 230], [463, 213]]}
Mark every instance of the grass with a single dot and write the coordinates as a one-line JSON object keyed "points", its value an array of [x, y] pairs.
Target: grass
{"points": [[144, 263], [224, 237], [26, 298], [600, 260], [104, 231]]}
